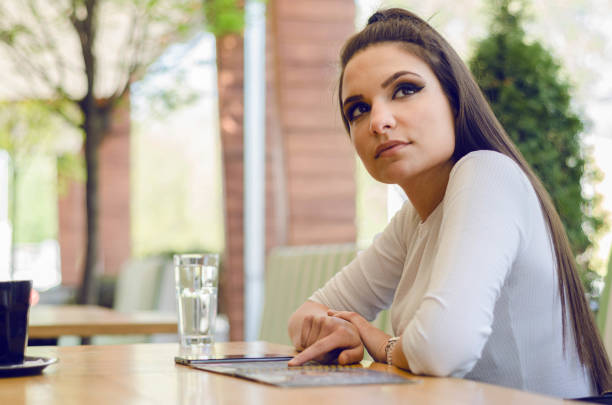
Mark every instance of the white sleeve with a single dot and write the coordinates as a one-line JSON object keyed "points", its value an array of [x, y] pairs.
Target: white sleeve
{"points": [[486, 221], [368, 283]]}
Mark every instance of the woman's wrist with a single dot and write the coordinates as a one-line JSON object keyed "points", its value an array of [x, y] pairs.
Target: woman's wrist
{"points": [[389, 347], [398, 358], [373, 338], [381, 356]]}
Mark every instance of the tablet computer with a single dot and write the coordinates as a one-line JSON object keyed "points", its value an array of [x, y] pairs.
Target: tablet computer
{"points": [[229, 358], [277, 373]]}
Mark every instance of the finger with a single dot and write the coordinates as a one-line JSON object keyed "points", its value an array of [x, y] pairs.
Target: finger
{"points": [[353, 318], [350, 356], [342, 315], [315, 331], [299, 359], [347, 316], [318, 349], [331, 312], [306, 326]]}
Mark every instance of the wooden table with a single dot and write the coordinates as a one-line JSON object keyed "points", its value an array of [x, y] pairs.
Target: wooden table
{"points": [[51, 321], [146, 374]]}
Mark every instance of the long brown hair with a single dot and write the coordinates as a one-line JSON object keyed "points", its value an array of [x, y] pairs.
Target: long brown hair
{"points": [[477, 128]]}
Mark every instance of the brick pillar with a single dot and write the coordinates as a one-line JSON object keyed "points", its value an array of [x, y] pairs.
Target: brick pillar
{"points": [[230, 81], [71, 233], [230, 73], [310, 187], [305, 40], [115, 236]]}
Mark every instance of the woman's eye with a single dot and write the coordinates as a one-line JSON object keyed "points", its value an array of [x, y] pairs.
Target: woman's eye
{"points": [[356, 110], [406, 89]]}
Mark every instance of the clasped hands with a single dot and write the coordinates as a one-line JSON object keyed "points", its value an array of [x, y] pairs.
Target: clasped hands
{"points": [[339, 337]]}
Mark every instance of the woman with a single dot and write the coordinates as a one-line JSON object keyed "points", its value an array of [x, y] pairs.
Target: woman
{"points": [[476, 267]]}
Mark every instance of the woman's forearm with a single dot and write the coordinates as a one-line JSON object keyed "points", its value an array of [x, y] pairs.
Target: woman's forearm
{"points": [[376, 342], [374, 339], [398, 357]]}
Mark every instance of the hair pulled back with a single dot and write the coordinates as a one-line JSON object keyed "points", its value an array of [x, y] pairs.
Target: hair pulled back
{"points": [[477, 128]]}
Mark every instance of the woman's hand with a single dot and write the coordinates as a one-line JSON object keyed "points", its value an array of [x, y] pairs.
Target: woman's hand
{"points": [[326, 339], [374, 339]]}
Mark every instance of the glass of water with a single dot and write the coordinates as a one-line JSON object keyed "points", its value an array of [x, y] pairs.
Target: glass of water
{"points": [[197, 278]]}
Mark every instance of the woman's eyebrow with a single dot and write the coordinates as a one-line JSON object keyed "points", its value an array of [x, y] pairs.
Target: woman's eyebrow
{"points": [[384, 84], [351, 99], [395, 75]]}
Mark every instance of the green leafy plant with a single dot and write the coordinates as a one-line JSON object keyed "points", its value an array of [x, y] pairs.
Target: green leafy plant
{"points": [[526, 89], [31, 134]]}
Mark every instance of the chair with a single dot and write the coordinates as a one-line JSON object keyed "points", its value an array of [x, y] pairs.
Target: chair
{"points": [[137, 289], [293, 273], [138, 285]]}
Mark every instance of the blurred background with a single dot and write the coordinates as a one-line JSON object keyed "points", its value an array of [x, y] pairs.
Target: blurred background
{"points": [[123, 136]]}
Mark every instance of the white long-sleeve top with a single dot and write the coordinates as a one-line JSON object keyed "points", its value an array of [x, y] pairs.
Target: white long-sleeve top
{"points": [[473, 290]]}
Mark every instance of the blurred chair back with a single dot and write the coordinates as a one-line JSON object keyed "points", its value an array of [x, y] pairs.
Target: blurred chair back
{"points": [[167, 289], [137, 289], [293, 273], [138, 285]]}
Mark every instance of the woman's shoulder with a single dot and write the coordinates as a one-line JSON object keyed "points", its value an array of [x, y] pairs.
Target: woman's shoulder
{"points": [[488, 184], [491, 165], [487, 158]]}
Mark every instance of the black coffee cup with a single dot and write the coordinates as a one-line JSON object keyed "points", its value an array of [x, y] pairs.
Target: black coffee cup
{"points": [[14, 311]]}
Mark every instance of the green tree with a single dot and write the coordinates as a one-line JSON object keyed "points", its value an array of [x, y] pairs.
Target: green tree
{"points": [[87, 52], [529, 95], [28, 131]]}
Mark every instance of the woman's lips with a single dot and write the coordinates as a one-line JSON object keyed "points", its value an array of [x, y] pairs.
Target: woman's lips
{"points": [[389, 148]]}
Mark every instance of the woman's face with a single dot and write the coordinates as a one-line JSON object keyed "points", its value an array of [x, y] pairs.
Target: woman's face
{"points": [[401, 123]]}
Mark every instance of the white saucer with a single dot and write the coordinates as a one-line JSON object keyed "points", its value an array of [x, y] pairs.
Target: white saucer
{"points": [[31, 365]]}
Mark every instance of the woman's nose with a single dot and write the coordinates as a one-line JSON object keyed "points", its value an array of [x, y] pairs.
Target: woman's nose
{"points": [[381, 119]]}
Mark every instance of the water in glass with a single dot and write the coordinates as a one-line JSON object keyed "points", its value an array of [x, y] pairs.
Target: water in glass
{"points": [[196, 288]]}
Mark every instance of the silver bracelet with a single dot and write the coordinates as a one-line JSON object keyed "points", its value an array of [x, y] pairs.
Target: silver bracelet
{"points": [[389, 348]]}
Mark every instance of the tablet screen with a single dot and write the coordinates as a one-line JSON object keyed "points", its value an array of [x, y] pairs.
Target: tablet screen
{"points": [[231, 358]]}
